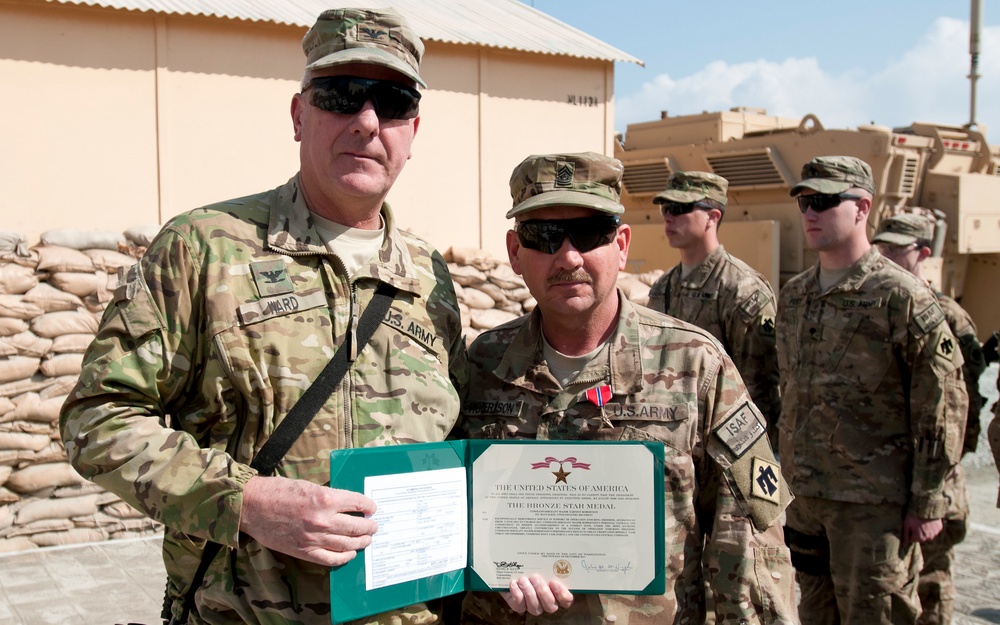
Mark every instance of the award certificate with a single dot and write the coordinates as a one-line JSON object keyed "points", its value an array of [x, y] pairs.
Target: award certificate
{"points": [[473, 515]]}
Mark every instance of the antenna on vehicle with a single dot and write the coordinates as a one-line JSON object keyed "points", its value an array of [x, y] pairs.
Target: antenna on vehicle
{"points": [[975, 29]]}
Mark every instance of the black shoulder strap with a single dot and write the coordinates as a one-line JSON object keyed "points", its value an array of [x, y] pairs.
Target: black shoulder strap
{"points": [[295, 422]]}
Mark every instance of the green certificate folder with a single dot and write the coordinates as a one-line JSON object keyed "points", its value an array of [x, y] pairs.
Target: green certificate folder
{"points": [[475, 514]]}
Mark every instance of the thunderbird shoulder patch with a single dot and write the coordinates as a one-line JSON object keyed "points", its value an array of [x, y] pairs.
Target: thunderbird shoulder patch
{"points": [[765, 480]]}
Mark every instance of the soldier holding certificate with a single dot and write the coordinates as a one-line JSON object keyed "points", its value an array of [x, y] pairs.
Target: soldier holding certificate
{"points": [[587, 364]]}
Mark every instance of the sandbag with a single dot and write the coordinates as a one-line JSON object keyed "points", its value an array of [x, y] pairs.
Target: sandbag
{"points": [[62, 364], [10, 326], [55, 452], [82, 239], [25, 343], [36, 477], [16, 545], [75, 536], [28, 427], [122, 510], [56, 509], [20, 440], [476, 299], [13, 242], [6, 518], [31, 407], [488, 319], [15, 306], [142, 235], [79, 284], [504, 277], [110, 260], [51, 299], [16, 279], [8, 496], [466, 275], [84, 488], [56, 258], [16, 368], [34, 383], [51, 325], [71, 343], [5, 473], [60, 386]]}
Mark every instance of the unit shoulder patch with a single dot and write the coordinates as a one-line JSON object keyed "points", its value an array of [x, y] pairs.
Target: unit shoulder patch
{"points": [[946, 347], [765, 480]]}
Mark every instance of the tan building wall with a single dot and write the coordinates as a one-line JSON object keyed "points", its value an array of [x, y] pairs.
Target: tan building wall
{"points": [[111, 119]]}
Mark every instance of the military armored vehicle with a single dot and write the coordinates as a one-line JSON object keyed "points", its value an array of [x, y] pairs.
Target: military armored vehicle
{"points": [[950, 172]]}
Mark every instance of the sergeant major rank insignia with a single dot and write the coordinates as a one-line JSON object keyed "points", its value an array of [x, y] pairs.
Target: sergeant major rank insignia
{"points": [[564, 173]]}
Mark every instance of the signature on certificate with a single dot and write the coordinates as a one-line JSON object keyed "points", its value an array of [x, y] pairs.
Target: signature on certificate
{"points": [[609, 567]]}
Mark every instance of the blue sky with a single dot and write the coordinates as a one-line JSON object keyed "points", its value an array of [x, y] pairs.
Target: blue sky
{"points": [[850, 62]]}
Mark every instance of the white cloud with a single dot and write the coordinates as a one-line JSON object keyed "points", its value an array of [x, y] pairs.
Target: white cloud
{"points": [[924, 83]]}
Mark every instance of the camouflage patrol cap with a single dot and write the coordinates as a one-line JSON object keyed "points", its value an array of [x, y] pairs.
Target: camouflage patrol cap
{"points": [[378, 37], [904, 229], [693, 186], [586, 179], [835, 174]]}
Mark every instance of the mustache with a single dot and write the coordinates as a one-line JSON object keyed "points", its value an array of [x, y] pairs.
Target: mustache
{"points": [[569, 276]]}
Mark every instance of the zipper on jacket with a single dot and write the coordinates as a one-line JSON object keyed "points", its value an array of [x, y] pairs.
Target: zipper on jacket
{"points": [[353, 330]]}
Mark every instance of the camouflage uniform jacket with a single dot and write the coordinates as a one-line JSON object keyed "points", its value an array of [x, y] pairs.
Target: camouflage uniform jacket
{"points": [[993, 434], [873, 398], [230, 315], [964, 329], [735, 303], [671, 382]]}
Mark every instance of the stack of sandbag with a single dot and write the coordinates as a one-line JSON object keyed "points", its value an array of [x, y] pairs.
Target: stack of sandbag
{"points": [[52, 296], [490, 293]]}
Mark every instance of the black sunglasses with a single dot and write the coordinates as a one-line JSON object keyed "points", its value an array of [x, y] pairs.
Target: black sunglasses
{"points": [[586, 233], [820, 202], [348, 94], [682, 208]]}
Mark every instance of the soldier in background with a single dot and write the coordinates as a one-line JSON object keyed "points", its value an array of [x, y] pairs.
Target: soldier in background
{"points": [[587, 364], [993, 434], [715, 290], [233, 312], [873, 410], [906, 240]]}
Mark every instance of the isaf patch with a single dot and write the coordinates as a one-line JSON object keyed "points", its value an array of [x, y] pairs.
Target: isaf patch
{"points": [[753, 304], [765, 481], [928, 319], [741, 430]]}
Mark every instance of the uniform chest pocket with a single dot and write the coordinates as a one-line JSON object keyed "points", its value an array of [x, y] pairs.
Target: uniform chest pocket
{"points": [[861, 350]]}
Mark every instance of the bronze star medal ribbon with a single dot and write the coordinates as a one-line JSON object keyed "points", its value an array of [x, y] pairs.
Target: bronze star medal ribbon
{"points": [[600, 396]]}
